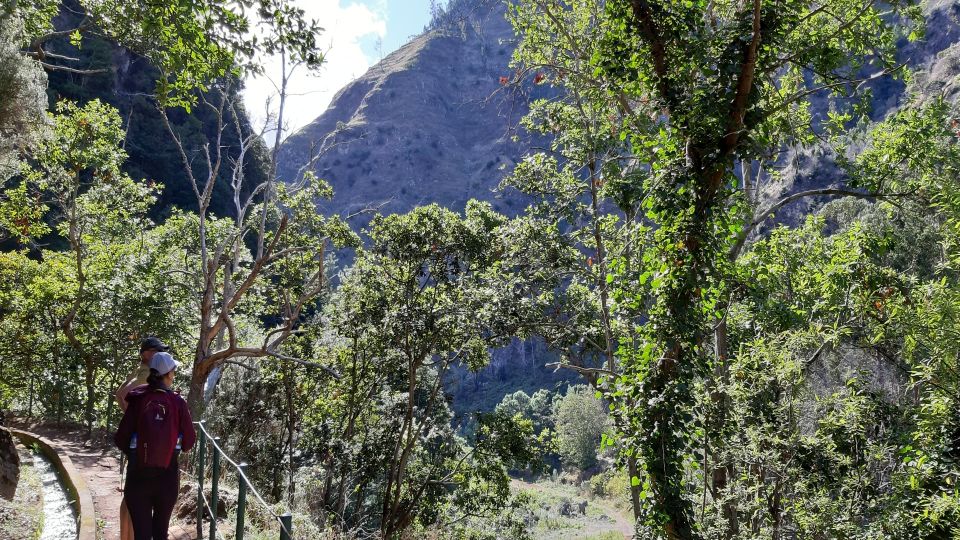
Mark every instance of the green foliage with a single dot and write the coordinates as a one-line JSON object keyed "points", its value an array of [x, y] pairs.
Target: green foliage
{"points": [[580, 421], [21, 94], [64, 337], [537, 408], [614, 485], [800, 382], [670, 118], [194, 43], [413, 305]]}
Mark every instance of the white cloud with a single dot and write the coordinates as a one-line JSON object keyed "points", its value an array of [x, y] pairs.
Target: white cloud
{"points": [[310, 94]]}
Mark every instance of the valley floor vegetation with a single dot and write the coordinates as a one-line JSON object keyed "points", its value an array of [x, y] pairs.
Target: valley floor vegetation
{"points": [[745, 371]]}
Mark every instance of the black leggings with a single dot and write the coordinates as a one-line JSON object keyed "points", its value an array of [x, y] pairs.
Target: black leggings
{"points": [[151, 494]]}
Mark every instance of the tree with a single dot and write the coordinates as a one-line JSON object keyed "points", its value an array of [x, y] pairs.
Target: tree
{"points": [[420, 290], [580, 422], [413, 306], [698, 92], [588, 212], [917, 151], [100, 214], [276, 241], [283, 265], [514, 404]]}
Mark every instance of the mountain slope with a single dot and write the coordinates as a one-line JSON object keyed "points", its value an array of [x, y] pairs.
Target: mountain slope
{"points": [[119, 77], [429, 123]]}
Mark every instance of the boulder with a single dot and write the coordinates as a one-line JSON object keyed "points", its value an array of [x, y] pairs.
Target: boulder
{"points": [[186, 508], [9, 465], [569, 508]]}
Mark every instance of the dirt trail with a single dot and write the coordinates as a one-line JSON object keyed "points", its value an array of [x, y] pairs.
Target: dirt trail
{"points": [[99, 463]]}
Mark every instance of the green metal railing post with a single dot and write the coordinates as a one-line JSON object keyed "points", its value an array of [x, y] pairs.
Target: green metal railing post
{"points": [[241, 499], [245, 488], [214, 480], [201, 456], [286, 526]]}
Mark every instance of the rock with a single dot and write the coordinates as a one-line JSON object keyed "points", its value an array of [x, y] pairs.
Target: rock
{"points": [[568, 508], [186, 508], [530, 519], [9, 465]]}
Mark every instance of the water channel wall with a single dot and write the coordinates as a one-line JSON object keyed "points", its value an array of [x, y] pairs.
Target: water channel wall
{"points": [[72, 481]]}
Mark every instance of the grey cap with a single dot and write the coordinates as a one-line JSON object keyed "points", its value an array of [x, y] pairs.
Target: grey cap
{"points": [[151, 342], [163, 363]]}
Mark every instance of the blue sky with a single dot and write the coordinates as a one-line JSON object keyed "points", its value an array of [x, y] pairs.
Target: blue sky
{"points": [[405, 18], [353, 29]]}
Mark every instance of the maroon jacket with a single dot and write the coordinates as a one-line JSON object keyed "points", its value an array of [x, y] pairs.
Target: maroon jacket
{"points": [[181, 426]]}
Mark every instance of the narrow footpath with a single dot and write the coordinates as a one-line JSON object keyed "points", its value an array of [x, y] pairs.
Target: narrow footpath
{"points": [[98, 461]]}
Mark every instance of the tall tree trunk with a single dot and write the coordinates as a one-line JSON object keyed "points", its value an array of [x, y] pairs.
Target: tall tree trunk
{"points": [[90, 383], [721, 406], [198, 379], [291, 431], [634, 472], [664, 452], [669, 382]]}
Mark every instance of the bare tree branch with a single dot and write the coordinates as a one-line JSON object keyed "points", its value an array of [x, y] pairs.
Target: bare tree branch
{"points": [[772, 209]]}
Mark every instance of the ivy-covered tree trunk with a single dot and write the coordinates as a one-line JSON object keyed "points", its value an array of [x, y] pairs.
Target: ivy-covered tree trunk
{"points": [[669, 392]]}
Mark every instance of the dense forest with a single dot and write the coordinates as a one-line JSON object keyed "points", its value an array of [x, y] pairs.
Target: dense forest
{"points": [[738, 375]]}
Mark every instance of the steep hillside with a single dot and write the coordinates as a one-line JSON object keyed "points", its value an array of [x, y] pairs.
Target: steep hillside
{"points": [[116, 76], [427, 124], [430, 123], [935, 63]]}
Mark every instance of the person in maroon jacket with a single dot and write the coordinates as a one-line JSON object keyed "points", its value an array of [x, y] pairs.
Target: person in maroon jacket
{"points": [[155, 427]]}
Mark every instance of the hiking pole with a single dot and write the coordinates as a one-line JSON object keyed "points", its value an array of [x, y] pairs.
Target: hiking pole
{"points": [[120, 481]]}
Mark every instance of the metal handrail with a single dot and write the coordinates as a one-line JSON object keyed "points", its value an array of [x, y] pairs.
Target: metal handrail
{"points": [[285, 520]]}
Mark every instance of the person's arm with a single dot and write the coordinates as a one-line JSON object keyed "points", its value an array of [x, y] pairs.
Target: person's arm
{"points": [[187, 431], [125, 431], [121, 393], [133, 380]]}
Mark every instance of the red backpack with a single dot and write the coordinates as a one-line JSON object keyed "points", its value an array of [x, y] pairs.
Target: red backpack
{"points": [[157, 428]]}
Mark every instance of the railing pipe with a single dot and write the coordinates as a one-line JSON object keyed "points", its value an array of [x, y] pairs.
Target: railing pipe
{"points": [[214, 493], [245, 489], [241, 499], [201, 456]]}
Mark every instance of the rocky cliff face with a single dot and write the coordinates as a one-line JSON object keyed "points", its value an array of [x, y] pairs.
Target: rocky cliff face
{"points": [[935, 64], [429, 123]]}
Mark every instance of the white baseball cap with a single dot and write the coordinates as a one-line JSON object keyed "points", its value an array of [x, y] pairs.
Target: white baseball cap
{"points": [[163, 363]]}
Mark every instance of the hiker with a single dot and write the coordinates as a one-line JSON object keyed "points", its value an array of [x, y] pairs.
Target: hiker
{"points": [[148, 347], [155, 427]]}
